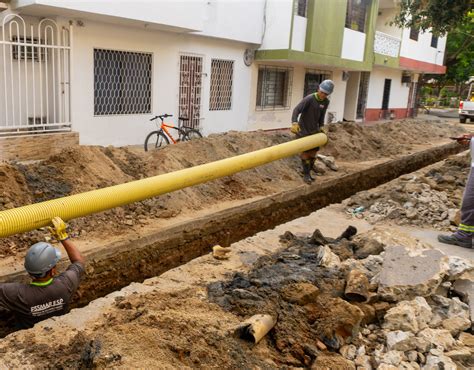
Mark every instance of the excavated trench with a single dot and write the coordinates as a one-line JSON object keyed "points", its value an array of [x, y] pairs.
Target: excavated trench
{"points": [[117, 265]]}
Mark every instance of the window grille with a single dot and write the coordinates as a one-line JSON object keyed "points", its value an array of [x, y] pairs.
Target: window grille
{"points": [[313, 78], [28, 52], [122, 82], [190, 86], [434, 41], [356, 14], [414, 32], [274, 87], [301, 7], [221, 84]]}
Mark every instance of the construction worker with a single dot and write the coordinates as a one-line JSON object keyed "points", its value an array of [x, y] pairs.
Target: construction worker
{"points": [[465, 232], [311, 111], [47, 294]]}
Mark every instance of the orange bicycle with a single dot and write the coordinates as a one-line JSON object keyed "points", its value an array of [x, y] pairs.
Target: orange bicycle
{"points": [[161, 137]]}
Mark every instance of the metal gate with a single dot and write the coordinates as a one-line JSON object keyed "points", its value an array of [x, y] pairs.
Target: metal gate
{"points": [[362, 95], [35, 76], [190, 84]]}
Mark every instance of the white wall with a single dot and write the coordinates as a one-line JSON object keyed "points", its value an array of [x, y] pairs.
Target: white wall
{"points": [[240, 20], [421, 49], [352, 93], [277, 24], [398, 91], [299, 33], [384, 18], [281, 118], [353, 45], [177, 13], [166, 49]]}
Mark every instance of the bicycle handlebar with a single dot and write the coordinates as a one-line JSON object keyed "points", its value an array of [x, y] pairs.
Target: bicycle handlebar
{"points": [[161, 117]]}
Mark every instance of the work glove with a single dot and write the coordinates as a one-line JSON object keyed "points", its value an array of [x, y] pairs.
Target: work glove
{"points": [[295, 127], [58, 231]]}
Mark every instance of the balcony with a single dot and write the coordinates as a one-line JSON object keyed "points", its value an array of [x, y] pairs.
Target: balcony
{"points": [[387, 45]]}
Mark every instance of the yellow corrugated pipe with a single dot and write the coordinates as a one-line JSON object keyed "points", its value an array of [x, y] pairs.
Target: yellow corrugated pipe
{"points": [[34, 216]]}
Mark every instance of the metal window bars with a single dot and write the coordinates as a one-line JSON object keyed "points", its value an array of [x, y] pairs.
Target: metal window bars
{"points": [[274, 87], [34, 76], [190, 86], [312, 79], [356, 14], [221, 84], [300, 8], [122, 82]]}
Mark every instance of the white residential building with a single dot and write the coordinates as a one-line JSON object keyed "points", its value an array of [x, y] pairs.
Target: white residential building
{"points": [[103, 68]]}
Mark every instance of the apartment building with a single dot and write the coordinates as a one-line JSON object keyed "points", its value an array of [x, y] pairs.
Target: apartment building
{"points": [[103, 68]]}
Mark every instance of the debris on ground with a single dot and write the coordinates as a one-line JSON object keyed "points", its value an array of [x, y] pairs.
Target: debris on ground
{"points": [[429, 197]]}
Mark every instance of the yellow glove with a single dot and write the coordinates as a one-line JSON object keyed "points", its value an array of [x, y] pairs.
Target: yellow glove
{"points": [[295, 127], [58, 231]]}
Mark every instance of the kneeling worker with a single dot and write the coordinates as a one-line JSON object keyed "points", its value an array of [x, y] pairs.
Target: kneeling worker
{"points": [[311, 111], [48, 294]]}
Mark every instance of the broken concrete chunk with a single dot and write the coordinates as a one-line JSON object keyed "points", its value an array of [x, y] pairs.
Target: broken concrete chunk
{"points": [[465, 288], [439, 337], [368, 247], [220, 253], [441, 362], [328, 161], [348, 351], [405, 275], [327, 258], [450, 314], [410, 316], [458, 266], [399, 340], [467, 339], [300, 293]]}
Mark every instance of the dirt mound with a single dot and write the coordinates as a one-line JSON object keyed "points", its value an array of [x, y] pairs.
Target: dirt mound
{"points": [[85, 168], [349, 141], [430, 197]]}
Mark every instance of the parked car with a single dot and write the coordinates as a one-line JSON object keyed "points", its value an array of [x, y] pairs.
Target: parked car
{"points": [[466, 107]]}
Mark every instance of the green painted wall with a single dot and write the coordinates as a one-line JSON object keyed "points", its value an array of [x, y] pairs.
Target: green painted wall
{"points": [[312, 59], [325, 27], [386, 61], [371, 22], [324, 36]]}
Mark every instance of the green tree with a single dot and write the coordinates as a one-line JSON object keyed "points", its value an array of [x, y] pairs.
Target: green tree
{"points": [[438, 16], [459, 58]]}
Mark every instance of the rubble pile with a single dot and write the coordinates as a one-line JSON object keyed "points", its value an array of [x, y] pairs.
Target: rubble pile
{"points": [[410, 321], [429, 197]]}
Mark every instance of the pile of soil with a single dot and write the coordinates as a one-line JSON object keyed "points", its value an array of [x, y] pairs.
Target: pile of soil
{"points": [[315, 320], [85, 168], [430, 197]]}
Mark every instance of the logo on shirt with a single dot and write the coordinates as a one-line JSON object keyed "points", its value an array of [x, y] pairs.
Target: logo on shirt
{"points": [[46, 308]]}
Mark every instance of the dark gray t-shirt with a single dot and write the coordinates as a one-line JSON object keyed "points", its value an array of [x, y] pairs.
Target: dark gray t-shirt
{"points": [[31, 304], [311, 111]]}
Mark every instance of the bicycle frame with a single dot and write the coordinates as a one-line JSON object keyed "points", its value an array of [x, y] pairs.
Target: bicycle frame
{"points": [[164, 126]]}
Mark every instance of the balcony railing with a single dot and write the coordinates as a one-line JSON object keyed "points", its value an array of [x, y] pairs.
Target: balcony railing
{"points": [[386, 44]]}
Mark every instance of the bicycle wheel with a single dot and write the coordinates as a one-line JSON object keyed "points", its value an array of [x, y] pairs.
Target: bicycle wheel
{"points": [[155, 140], [192, 134]]}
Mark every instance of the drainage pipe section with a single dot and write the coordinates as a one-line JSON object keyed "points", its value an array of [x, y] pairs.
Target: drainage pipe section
{"points": [[34, 216]]}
